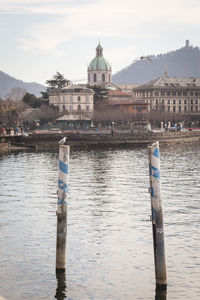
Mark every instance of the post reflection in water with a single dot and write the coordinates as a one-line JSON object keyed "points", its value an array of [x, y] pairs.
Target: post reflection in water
{"points": [[61, 291], [161, 295], [109, 233]]}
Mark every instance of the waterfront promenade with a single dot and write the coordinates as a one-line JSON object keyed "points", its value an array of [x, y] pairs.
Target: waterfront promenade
{"points": [[100, 138]]}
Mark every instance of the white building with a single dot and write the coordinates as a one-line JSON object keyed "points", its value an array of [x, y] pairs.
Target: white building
{"points": [[73, 99]]}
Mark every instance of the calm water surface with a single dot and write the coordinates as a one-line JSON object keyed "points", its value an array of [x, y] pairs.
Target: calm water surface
{"points": [[110, 251]]}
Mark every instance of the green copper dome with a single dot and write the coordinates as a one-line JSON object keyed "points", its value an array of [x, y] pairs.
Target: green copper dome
{"points": [[99, 63]]}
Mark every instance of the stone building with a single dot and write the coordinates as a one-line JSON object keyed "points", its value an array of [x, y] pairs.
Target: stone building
{"points": [[99, 69], [171, 94], [73, 98]]}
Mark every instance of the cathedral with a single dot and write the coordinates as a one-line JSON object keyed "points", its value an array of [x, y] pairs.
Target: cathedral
{"points": [[99, 69]]}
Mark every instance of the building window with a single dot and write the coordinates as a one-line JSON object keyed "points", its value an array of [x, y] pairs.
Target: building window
{"points": [[163, 101], [162, 93], [179, 108], [156, 101], [168, 108], [174, 108], [87, 108], [179, 94], [196, 108], [191, 101], [63, 107], [196, 101], [191, 93], [185, 109], [95, 77], [156, 93], [185, 101], [79, 98], [184, 93], [173, 93], [168, 101], [179, 101], [70, 107], [168, 93], [79, 107], [191, 108], [174, 101], [196, 94], [103, 78], [70, 98]]}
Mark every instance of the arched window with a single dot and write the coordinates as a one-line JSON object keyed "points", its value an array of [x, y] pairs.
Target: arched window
{"points": [[79, 107], [95, 77], [103, 77]]}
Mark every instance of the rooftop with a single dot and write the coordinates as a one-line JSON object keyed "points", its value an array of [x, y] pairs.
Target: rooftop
{"points": [[172, 82]]}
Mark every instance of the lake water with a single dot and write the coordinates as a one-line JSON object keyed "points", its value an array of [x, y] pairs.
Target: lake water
{"points": [[109, 250]]}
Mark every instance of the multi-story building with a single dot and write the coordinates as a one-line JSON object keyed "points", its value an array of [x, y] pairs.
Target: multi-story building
{"points": [[171, 94], [73, 99]]}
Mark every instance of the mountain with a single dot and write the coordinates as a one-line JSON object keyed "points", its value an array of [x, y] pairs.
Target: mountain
{"points": [[184, 62], [7, 83]]}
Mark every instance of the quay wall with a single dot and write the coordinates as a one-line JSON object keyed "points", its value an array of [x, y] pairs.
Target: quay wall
{"points": [[103, 139]]}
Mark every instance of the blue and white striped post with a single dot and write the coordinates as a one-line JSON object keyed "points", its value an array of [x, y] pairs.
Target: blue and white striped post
{"points": [[157, 217], [62, 208]]}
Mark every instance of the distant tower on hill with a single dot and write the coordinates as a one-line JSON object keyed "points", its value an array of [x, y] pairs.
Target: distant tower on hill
{"points": [[187, 44], [99, 69]]}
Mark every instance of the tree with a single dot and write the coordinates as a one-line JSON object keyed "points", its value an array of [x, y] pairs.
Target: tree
{"points": [[99, 92], [57, 82], [8, 114], [32, 100], [45, 95], [16, 94]]}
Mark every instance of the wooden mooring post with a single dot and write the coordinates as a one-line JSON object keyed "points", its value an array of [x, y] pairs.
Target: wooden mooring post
{"points": [[157, 217], [62, 208]]}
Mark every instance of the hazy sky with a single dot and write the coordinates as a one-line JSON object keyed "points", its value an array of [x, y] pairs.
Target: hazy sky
{"points": [[40, 37]]}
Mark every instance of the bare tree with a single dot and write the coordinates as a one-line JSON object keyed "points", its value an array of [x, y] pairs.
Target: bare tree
{"points": [[16, 94]]}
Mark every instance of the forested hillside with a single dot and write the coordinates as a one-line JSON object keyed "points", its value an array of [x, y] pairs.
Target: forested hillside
{"points": [[184, 62]]}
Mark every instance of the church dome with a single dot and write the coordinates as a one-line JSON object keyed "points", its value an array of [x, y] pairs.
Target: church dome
{"points": [[99, 63]]}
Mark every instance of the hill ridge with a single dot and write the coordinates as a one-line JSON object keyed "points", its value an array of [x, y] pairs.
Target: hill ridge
{"points": [[183, 62], [7, 83]]}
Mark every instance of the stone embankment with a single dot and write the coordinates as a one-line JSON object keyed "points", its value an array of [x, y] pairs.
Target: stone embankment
{"points": [[102, 139]]}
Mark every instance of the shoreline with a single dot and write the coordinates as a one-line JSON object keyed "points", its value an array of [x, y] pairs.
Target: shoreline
{"points": [[100, 139]]}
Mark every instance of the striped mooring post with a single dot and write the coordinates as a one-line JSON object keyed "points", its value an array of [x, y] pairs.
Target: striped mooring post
{"points": [[157, 217], [62, 208]]}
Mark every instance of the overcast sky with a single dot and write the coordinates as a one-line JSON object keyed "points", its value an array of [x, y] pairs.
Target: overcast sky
{"points": [[40, 37]]}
